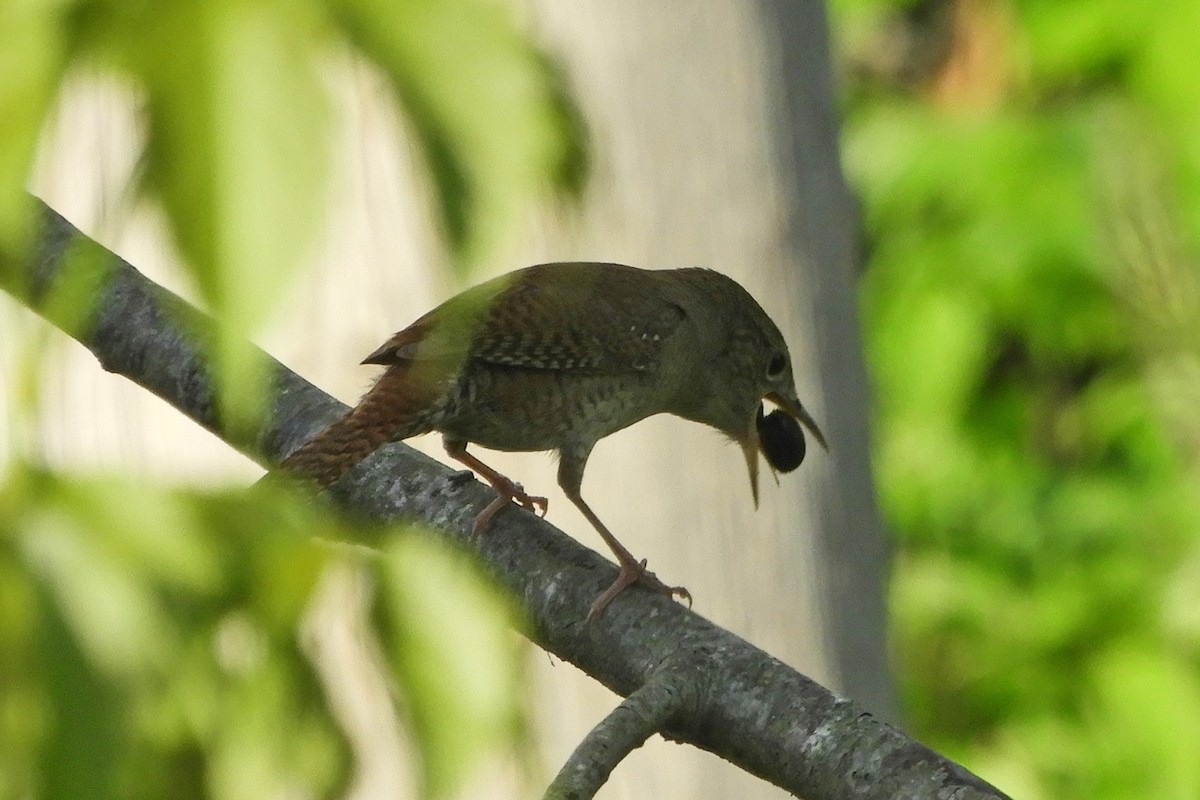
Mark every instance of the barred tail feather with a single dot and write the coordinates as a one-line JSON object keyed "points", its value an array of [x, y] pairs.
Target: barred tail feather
{"points": [[396, 407]]}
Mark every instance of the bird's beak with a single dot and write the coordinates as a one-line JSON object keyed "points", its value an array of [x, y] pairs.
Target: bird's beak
{"points": [[751, 445], [791, 406]]}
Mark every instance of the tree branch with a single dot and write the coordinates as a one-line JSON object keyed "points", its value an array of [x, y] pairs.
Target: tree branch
{"points": [[686, 677], [644, 713]]}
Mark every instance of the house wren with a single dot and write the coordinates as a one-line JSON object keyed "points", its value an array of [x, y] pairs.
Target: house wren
{"points": [[558, 356]]}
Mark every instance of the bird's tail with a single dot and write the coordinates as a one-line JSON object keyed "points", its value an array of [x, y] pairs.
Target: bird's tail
{"points": [[396, 407]]}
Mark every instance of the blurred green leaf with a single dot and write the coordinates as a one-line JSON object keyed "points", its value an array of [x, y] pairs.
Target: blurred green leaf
{"points": [[450, 640], [271, 733], [149, 643], [24, 703], [31, 64], [1080, 41], [169, 618], [152, 638], [238, 126], [86, 738], [491, 113], [1152, 699]]}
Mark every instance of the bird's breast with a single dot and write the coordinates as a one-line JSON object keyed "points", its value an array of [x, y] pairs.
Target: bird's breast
{"points": [[504, 408]]}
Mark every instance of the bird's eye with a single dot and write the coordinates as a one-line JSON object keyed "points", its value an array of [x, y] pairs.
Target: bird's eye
{"points": [[776, 366]]}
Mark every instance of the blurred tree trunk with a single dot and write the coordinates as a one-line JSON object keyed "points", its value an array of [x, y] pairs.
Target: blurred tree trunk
{"points": [[714, 143], [823, 234]]}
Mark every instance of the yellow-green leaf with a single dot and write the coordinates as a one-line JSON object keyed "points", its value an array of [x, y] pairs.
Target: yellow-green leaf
{"points": [[31, 63], [238, 150], [490, 111], [453, 649]]}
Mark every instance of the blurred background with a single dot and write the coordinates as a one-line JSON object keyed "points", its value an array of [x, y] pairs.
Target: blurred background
{"points": [[1029, 175], [976, 222]]}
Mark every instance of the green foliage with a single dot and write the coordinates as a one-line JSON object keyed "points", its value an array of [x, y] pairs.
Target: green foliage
{"points": [[31, 64], [237, 126], [489, 110], [149, 638], [1031, 315], [151, 647], [456, 657], [237, 122]]}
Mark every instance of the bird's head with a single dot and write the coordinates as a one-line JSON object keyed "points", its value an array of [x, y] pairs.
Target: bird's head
{"points": [[777, 433], [746, 362]]}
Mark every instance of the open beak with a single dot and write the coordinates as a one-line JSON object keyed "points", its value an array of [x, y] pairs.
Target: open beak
{"points": [[751, 444], [791, 406], [750, 451]]}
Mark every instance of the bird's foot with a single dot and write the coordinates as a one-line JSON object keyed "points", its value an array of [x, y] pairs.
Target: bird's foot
{"points": [[631, 573], [506, 493], [538, 505]]}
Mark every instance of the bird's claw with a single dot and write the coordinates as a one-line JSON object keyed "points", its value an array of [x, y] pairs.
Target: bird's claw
{"points": [[538, 505], [651, 581], [630, 574], [510, 492]]}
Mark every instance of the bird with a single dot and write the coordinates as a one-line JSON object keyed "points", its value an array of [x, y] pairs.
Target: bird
{"points": [[557, 356]]}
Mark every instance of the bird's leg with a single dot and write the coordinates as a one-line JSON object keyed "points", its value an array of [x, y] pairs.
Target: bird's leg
{"points": [[632, 570], [507, 490], [570, 478]]}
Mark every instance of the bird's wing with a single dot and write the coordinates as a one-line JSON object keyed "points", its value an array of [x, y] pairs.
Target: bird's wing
{"points": [[586, 317]]}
